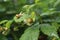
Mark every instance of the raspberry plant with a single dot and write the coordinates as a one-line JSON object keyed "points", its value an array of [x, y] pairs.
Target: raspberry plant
{"points": [[29, 19]]}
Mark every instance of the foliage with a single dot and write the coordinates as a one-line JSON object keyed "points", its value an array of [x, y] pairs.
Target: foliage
{"points": [[29, 19]]}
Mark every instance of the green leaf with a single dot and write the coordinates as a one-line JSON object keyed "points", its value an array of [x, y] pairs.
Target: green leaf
{"points": [[31, 33], [56, 3], [48, 12], [49, 30], [36, 1], [56, 19], [3, 21], [3, 37], [59, 39], [33, 15], [8, 24]]}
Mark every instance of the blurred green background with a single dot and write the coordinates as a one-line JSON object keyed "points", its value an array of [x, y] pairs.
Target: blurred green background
{"points": [[8, 8]]}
